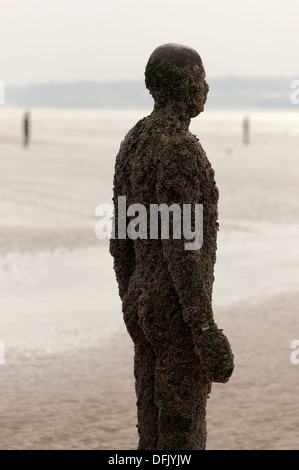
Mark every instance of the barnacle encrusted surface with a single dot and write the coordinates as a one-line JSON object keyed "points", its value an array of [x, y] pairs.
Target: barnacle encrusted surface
{"points": [[166, 291]]}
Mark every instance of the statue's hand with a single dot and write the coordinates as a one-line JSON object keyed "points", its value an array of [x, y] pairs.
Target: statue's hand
{"points": [[214, 351]]}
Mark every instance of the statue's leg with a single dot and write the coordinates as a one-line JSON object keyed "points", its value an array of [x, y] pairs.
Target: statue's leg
{"points": [[147, 411], [144, 372], [181, 392], [181, 388]]}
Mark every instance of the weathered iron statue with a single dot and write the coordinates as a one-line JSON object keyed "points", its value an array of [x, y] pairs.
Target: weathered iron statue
{"points": [[166, 289]]}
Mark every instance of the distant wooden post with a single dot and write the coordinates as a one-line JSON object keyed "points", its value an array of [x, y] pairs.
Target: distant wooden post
{"points": [[26, 129], [246, 131]]}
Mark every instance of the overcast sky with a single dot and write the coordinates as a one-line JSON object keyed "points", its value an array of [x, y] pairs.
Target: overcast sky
{"points": [[63, 40]]}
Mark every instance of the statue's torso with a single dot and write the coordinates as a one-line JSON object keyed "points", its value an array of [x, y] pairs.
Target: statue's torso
{"points": [[160, 145]]}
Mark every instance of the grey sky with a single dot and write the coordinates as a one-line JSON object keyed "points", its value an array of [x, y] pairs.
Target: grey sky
{"points": [[64, 40]]}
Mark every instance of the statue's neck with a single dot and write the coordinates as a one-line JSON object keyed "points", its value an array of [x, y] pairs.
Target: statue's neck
{"points": [[174, 112]]}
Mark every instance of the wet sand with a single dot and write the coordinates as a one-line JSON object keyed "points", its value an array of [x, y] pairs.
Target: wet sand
{"points": [[84, 398]]}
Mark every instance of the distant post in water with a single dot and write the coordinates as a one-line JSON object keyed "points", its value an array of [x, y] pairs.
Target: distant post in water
{"points": [[26, 129], [246, 130]]}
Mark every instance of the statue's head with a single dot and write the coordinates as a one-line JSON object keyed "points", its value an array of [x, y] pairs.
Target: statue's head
{"points": [[175, 76]]}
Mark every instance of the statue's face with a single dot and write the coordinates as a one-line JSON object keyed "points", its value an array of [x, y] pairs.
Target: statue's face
{"points": [[197, 91]]}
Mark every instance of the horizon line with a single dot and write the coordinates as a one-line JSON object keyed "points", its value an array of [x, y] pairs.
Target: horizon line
{"points": [[135, 80]]}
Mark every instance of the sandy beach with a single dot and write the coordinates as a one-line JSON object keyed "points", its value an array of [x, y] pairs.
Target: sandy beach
{"points": [[67, 382]]}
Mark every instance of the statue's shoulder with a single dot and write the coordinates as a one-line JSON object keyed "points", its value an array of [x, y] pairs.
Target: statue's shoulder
{"points": [[132, 137], [181, 145], [125, 147], [131, 134]]}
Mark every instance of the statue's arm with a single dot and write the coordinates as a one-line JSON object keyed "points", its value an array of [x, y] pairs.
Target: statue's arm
{"points": [[122, 250], [178, 183], [123, 263]]}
